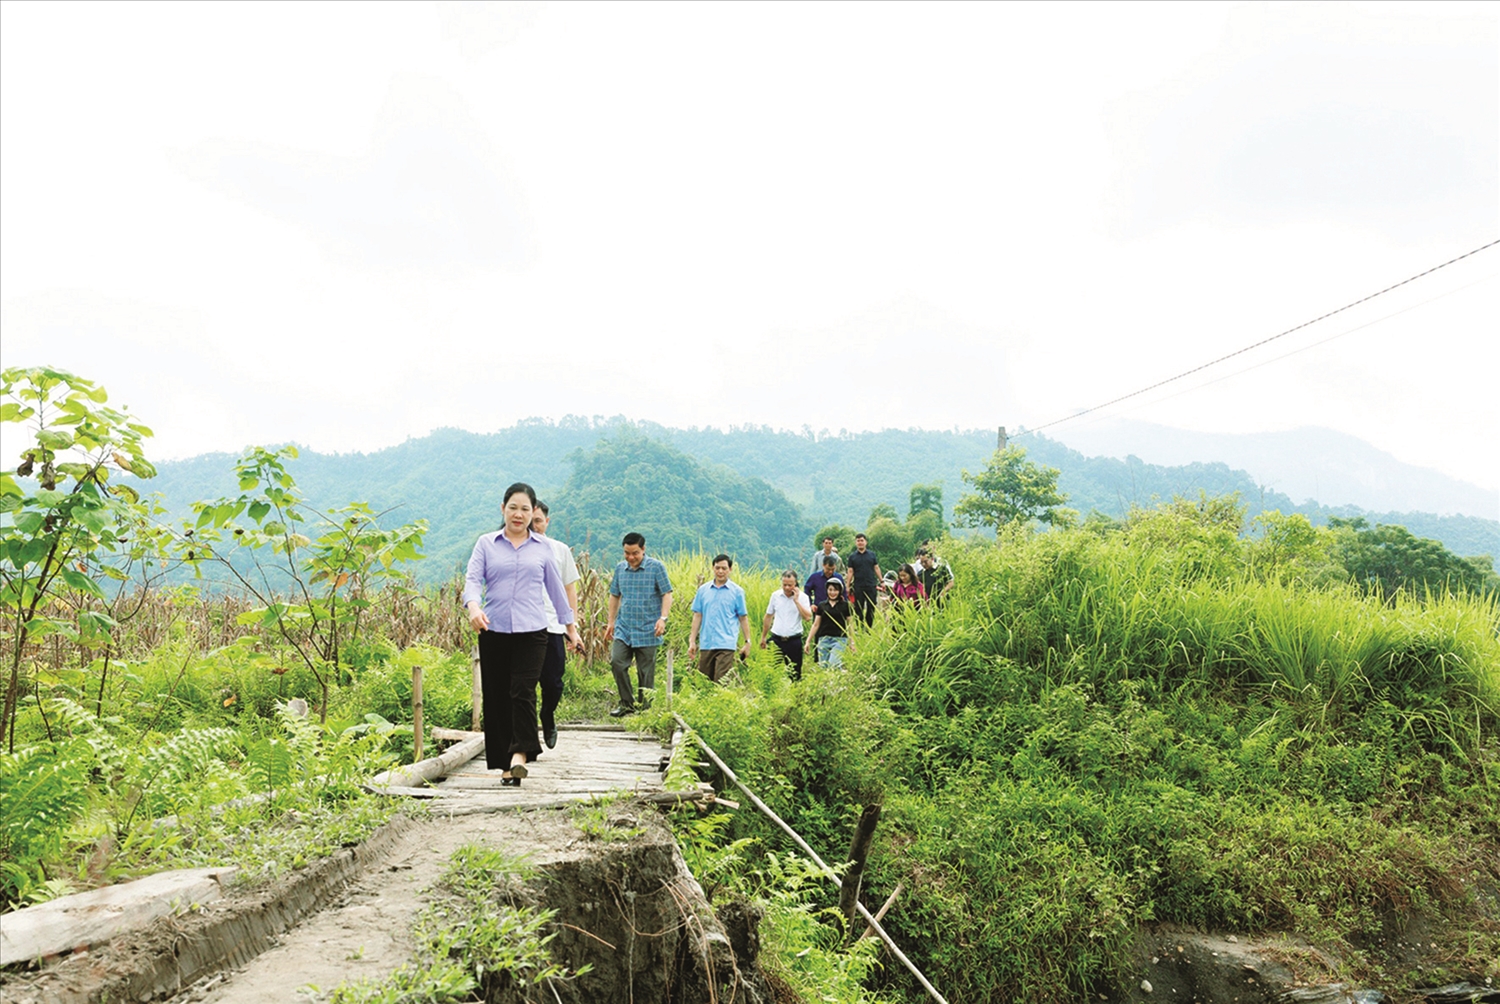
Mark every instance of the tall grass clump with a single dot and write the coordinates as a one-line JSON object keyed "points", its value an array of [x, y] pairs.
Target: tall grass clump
{"points": [[1101, 731]]}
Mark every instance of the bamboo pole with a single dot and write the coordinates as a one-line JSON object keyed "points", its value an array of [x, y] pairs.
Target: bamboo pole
{"points": [[822, 865], [669, 679], [416, 714], [880, 914]]}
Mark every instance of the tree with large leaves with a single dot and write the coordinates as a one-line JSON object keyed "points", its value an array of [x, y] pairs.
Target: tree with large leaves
{"points": [[1012, 489], [61, 519]]}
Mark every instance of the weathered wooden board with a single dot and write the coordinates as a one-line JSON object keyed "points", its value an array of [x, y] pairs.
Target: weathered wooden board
{"points": [[589, 761], [87, 918]]}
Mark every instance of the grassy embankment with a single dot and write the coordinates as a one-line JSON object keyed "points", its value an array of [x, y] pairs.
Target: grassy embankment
{"points": [[1102, 731]]}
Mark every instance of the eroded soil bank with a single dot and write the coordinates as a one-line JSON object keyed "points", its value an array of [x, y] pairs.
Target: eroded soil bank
{"points": [[626, 906]]}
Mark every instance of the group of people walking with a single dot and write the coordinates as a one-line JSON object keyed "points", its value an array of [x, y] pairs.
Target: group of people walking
{"points": [[521, 595]]}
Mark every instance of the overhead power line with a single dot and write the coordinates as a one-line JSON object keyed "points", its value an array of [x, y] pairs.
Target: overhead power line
{"points": [[1263, 341]]}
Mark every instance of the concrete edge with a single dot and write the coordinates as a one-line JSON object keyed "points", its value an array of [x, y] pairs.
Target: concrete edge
{"points": [[227, 934]]}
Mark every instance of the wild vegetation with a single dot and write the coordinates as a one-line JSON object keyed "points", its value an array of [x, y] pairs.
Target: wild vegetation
{"points": [[1174, 716], [1158, 721]]}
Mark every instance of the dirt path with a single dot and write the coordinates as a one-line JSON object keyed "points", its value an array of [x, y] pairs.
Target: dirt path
{"points": [[366, 933]]}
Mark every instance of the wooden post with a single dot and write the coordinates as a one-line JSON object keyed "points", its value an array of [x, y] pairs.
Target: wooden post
{"points": [[478, 691], [859, 850], [416, 714], [669, 679]]}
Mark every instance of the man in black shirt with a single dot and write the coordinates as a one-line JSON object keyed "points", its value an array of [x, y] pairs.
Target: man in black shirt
{"points": [[864, 573]]}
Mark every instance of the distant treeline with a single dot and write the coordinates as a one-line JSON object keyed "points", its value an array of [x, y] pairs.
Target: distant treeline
{"points": [[753, 491]]}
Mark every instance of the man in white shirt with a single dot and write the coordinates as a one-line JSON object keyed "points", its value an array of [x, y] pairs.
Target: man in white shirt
{"points": [[557, 646], [785, 613]]}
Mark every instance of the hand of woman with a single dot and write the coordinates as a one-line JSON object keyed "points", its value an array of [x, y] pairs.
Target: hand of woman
{"points": [[477, 619], [574, 638]]}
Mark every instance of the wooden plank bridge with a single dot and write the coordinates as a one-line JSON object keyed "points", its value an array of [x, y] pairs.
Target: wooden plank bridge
{"points": [[590, 761]]}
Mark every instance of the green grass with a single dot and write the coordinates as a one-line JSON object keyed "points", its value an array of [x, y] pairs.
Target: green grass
{"points": [[474, 939]]}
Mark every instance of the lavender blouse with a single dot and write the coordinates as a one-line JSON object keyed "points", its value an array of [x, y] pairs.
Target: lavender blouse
{"points": [[511, 581]]}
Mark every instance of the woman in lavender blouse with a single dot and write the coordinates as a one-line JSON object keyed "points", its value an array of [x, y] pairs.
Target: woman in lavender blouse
{"points": [[509, 572]]}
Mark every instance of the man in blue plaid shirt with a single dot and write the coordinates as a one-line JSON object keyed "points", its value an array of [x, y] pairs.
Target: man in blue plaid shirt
{"points": [[640, 598]]}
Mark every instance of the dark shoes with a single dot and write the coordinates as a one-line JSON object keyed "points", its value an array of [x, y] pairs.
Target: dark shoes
{"points": [[550, 737], [511, 782], [622, 711]]}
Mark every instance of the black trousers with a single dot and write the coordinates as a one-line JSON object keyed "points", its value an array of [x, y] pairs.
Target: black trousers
{"points": [[510, 666], [552, 677], [864, 605], [790, 647]]}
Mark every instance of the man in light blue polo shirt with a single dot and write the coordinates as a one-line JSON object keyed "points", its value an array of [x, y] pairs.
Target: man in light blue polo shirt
{"points": [[719, 611]]}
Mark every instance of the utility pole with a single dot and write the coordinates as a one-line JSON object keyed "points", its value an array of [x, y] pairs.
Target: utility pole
{"points": [[1002, 439]]}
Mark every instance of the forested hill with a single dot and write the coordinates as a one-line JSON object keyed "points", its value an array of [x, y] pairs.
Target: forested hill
{"points": [[753, 491]]}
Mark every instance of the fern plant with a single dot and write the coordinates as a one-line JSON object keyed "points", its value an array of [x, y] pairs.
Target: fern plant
{"points": [[42, 793], [164, 778]]}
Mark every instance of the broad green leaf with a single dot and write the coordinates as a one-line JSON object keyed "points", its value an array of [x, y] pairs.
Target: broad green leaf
{"points": [[54, 440], [30, 522], [94, 622], [41, 627], [81, 582]]}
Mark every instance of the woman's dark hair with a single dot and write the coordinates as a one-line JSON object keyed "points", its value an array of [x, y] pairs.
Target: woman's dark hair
{"points": [[522, 488]]}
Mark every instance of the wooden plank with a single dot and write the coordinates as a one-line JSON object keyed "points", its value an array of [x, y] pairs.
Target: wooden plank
{"points": [[601, 783], [87, 918], [540, 800]]}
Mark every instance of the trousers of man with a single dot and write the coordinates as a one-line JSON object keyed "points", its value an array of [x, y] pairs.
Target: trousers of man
{"points": [[552, 678], [790, 647], [509, 665], [864, 605], [620, 656]]}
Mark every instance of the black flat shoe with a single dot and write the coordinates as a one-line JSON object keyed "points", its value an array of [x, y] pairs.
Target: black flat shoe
{"points": [[511, 782], [551, 738]]}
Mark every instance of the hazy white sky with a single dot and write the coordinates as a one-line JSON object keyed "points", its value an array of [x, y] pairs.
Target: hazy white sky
{"points": [[347, 224]]}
